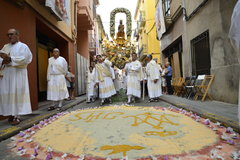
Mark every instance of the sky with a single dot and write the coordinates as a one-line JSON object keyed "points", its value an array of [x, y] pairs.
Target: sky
{"points": [[106, 6]]}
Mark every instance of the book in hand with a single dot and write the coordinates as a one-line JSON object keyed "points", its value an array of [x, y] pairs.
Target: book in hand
{"points": [[3, 54]]}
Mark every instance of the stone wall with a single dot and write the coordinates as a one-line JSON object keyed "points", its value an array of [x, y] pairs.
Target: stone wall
{"points": [[215, 17]]}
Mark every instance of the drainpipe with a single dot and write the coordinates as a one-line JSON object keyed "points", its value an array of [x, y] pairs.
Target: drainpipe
{"points": [[75, 46]]}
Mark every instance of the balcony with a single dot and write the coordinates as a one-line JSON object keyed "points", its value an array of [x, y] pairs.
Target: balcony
{"points": [[84, 15]]}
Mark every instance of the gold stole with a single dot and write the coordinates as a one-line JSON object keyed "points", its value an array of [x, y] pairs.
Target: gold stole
{"points": [[101, 69]]}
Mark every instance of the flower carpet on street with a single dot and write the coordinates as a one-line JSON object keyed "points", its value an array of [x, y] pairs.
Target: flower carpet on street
{"points": [[127, 132]]}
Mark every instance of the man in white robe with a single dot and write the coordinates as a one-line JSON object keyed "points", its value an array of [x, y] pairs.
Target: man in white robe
{"points": [[153, 79], [57, 87], [125, 71], [134, 78], [14, 88], [103, 77], [92, 89]]}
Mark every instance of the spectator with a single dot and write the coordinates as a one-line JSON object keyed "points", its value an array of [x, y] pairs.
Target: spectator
{"points": [[70, 79], [164, 83], [169, 78]]}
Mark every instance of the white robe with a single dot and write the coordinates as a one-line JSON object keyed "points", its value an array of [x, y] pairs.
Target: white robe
{"points": [[106, 86], [1, 70], [125, 75], [153, 73], [14, 87], [117, 81], [92, 90], [57, 88], [134, 77]]}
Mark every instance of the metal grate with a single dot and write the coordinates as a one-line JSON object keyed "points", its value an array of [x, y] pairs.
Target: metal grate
{"points": [[201, 61]]}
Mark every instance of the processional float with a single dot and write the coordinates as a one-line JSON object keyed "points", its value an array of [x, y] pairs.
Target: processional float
{"points": [[120, 48]]}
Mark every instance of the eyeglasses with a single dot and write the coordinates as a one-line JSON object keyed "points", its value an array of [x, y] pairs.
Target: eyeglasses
{"points": [[10, 34]]}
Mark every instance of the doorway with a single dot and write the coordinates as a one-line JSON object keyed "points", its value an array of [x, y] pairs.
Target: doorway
{"points": [[44, 48], [42, 55]]}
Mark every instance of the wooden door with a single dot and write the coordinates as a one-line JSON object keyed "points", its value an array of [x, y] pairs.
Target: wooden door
{"points": [[42, 72]]}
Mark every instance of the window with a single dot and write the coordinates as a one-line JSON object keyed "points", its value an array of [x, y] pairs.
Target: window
{"points": [[201, 60], [166, 4]]}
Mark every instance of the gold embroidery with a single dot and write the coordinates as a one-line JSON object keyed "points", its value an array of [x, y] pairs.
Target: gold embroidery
{"points": [[102, 70], [106, 89]]}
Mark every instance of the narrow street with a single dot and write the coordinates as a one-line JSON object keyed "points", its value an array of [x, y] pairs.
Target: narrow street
{"points": [[120, 80], [151, 130]]}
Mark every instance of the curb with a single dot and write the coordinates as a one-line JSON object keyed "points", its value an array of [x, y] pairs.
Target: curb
{"points": [[213, 117], [13, 130]]}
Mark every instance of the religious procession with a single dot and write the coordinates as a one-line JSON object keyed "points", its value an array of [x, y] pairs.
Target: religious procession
{"points": [[120, 80]]}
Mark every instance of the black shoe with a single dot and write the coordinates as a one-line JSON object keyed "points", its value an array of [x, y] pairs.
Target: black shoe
{"points": [[59, 109], [15, 121], [150, 100], [156, 100], [133, 100], [10, 119], [51, 108]]}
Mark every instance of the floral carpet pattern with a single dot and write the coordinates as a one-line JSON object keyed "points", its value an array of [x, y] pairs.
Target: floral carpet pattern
{"points": [[127, 132]]}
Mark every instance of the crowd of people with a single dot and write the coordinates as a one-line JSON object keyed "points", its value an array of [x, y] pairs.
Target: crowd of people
{"points": [[104, 80], [14, 93]]}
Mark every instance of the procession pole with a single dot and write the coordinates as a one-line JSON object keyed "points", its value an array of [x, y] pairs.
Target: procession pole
{"points": [[143, 72], [143, 89]]}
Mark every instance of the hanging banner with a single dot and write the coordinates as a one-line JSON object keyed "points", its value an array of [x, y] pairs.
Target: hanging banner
{"points": [[159, 19], [61, 8]]}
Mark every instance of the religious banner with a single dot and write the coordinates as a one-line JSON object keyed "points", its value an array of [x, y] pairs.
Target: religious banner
{"points": [[159, 19], [61, 8]]}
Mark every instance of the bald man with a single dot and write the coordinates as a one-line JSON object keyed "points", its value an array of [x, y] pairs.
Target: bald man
{"points": [[14, 89], [57, 87]]}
